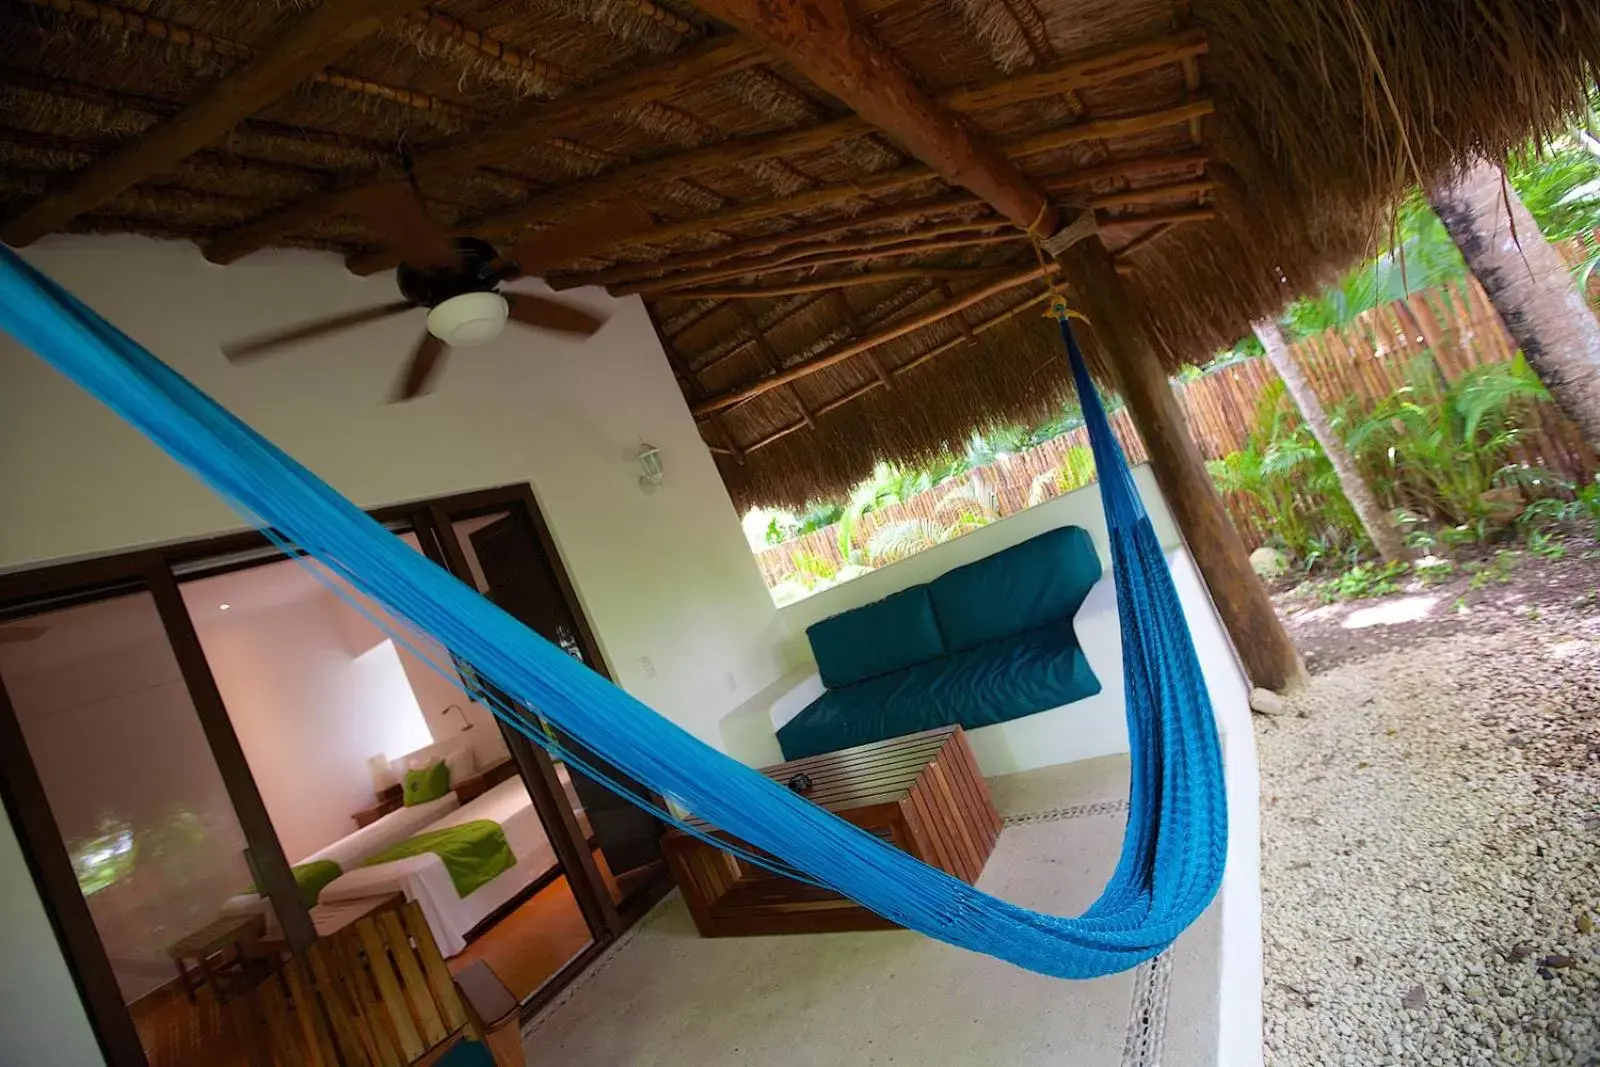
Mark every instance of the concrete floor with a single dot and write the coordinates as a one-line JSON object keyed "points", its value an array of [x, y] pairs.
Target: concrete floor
{"points": [[664, 996]]}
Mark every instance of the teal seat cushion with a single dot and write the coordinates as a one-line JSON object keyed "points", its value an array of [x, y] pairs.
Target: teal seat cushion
{"points": [[1040, 581], [876, 639], [467, 1054], [995, 682]]}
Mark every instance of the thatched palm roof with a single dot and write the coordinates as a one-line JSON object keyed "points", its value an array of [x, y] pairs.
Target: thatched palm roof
{"points": [[1236, 152]]}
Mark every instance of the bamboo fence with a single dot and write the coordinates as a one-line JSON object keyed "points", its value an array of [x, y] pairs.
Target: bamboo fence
{"points": [[1367, 360]]}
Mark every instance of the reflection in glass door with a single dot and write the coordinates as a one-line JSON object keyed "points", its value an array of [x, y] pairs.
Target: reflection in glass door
{"points": [[511, 566], [140, 804]]}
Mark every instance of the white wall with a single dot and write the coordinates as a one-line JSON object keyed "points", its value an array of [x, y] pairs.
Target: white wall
{"points": [[309, 711], [431, 691], [41, 1018], [666, 579]]}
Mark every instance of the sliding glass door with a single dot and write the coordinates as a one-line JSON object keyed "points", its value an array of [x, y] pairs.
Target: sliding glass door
{"points": [[124, 778], [147, 828], [512, 561]]}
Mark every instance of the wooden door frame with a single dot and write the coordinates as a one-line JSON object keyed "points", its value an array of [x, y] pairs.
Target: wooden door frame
{"points": [[533, 763], [153, 571]]}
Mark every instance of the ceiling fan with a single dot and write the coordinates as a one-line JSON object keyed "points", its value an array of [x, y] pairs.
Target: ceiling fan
{"points": [[457, 280]]}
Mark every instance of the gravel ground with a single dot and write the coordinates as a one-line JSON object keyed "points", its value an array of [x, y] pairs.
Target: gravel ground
{"points": [[1484, 596], [1431, 852]]}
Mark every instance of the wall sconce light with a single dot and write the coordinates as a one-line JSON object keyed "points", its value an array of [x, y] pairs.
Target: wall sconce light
{"points": [[650, 464], [465, 725]]}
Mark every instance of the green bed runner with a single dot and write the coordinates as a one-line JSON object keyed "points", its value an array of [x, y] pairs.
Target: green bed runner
{"points": [[310, 879], [473, 852]]}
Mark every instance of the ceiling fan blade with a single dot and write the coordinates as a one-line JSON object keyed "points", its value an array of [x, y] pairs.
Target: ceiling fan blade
{"points": [[397, 213], [552, 314], [258, 346], [590, 232], [15, 635], [420, 371]]}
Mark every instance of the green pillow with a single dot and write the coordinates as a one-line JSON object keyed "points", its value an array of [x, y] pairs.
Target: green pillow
{"points": [[430, 783]]}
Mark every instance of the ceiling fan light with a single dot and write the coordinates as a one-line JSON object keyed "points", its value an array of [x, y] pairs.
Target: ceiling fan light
{"points": [[469, 319]]}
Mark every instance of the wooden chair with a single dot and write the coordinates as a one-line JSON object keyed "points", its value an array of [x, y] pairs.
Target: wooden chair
{"points": [[374, 994]]}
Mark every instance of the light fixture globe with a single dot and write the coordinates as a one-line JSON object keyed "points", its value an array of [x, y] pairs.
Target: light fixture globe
{"points": [[469, 319]]}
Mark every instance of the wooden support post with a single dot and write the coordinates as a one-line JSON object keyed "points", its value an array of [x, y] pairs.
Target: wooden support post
{"points": [[1263, 645]]}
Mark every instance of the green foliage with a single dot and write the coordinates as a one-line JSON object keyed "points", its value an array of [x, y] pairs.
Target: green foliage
{"points": [[1499, 570], [818, 516], [1589, 504], [968, 507], [1446, 448], [812, 570], [1421, 255], [1364, 580], [1075, 471], [1283, 469], [1560, 186], [890, 484]]}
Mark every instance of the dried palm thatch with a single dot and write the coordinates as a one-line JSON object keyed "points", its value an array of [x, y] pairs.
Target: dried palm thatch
{"points": [[1227, 175]]}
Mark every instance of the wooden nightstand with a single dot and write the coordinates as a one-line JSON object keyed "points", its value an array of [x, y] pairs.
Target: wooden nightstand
{"points": [[474, 786], [368, 816]]}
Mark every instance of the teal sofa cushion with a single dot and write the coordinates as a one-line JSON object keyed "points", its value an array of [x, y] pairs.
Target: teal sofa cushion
{"points": [[995, 682], [1040, 581], [876, 639]]}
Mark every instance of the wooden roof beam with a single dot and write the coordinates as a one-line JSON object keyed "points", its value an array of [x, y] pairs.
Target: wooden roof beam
{"points": [[853, 321], [900, 371], [914, 248], [819, 38], [842, 192], [531, 123], [897, 212], [890, 245], [882, 336], [844, 281], [801, 255], [307, 46], [771, 360], [1072, 74]]}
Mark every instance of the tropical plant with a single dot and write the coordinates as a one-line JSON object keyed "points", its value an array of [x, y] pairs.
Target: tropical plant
{"points": [[812, 570], [1075, 471], [1285, 472], [971, 505], [1559, 185], [890, 484], [1421, 255], [1589, 503], [818, 516], [1446, 447]]}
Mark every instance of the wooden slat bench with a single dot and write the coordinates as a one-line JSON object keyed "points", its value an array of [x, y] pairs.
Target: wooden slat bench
{"points": [[921, 793]]}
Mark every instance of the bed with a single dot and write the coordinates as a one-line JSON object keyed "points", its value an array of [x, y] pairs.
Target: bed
{"points": [[350, 850], [423, 878]]}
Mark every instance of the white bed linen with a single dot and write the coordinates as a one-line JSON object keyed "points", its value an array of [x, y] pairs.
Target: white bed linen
{"points": [[350, 850], [424, 878]]}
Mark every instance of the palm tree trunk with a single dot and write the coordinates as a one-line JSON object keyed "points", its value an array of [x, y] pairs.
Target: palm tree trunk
{"points": [[1374, 519], [1530, 287]]}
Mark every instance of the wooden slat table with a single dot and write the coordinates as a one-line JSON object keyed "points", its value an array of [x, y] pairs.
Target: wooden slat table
{"points": [[921, 793]]}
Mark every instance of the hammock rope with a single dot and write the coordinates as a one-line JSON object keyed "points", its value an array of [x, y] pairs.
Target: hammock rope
{"points": [[1172, 857]]}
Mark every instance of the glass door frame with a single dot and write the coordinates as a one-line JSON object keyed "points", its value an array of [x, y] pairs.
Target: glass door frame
{"points": [[158, 572]]}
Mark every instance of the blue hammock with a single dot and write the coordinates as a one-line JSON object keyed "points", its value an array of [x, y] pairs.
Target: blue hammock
{"points": [[1173, 851]]}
